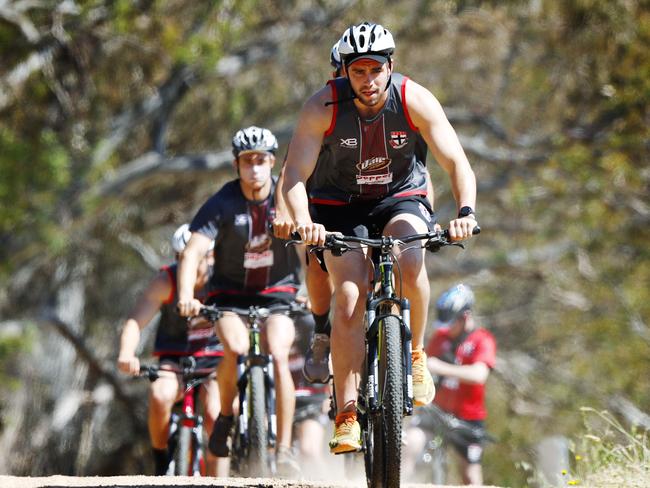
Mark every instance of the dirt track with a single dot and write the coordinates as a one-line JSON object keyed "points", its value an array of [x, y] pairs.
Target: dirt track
{"points": [[170, 482]]}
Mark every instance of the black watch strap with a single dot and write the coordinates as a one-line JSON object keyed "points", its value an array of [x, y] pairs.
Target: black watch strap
{"points": [[466, 212]]}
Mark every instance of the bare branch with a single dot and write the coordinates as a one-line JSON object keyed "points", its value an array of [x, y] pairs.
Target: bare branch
{"points": [[145, 251], [84, 352], [14, 13], [11, 83], [167, 95]]}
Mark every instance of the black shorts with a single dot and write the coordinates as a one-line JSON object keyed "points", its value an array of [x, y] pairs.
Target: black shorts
{"points": [[468, 447], [368, 219], [244, 301]]}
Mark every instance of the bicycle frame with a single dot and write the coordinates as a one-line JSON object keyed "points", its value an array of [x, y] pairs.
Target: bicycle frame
{"points": [[254, 358], [386, 393], [185, 438], [255, 371], [379, 305]]}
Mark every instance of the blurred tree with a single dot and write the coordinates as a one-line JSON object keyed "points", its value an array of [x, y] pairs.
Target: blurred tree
{"points": [[115, 120]]}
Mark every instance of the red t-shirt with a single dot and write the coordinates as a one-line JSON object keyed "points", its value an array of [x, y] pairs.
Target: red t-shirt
{"points": [[465, 400]]}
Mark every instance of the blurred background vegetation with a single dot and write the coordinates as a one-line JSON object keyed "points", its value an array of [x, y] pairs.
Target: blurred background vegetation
{"points": [[115, 122]]}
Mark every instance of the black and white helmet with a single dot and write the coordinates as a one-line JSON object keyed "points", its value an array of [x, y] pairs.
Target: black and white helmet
{"points": [[253, 139], [335, 56], [366, 40], [181, 237], [453, 302]]}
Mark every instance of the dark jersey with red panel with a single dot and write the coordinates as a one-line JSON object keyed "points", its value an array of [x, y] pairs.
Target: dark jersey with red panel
{"points": [[249, 260], [466, 401], [175, 336], [369, 159]]}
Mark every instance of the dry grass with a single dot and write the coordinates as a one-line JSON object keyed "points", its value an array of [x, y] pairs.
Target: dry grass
{"points": [[608, 455]]}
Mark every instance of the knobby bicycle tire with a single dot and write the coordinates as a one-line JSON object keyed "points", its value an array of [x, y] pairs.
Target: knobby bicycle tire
{"points": [[387, 424], [182, 462], [258, 435]]}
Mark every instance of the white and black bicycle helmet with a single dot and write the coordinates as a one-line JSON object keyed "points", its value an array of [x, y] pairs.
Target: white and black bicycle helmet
{"points": [[181, 237], [453, 302], [253, 139], [366, 40], [335, 56]]}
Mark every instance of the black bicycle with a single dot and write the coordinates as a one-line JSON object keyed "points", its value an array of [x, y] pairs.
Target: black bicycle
{"points": [[255, 426], [185, 441], [386, 389]]}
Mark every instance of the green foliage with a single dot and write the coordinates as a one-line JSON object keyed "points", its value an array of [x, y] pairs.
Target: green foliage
{"points": [[608, 454]]}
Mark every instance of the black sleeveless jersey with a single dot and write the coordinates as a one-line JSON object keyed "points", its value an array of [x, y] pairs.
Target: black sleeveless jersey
{"points": [[175, 337], [249, 260], [369, 159]]}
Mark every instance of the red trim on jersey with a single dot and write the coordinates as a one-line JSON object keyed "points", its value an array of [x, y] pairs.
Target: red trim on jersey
{"points": [[332, 84], [326, 201], [411, 193], [279, 289], [198, 354], [406, 110], [172, 293]]}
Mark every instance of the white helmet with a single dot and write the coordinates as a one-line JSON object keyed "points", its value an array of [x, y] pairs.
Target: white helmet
{"points": [[253, 139], [335, 56], [366, 40], [453, 302], [181, 237]]}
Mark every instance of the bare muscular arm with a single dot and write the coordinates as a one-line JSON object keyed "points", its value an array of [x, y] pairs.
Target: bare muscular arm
{"points": [[427, 114], [313, 122], [196, 249], [146, 308]]}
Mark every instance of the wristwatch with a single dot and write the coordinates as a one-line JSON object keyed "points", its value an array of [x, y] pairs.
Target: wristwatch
{"points": [[466, 212]]}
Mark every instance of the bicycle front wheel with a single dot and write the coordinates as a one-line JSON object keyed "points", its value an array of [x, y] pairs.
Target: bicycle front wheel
{"points": [[182, 459], [386, 425], [258, 435]]}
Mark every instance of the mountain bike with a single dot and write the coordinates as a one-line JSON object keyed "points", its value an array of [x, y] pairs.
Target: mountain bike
{"points": [[386, 390], [185, 442], [441, 429], [255, 425]]}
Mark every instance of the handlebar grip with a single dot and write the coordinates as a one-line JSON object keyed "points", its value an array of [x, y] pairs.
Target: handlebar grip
{"points": [[476, 230], [295, 236]]}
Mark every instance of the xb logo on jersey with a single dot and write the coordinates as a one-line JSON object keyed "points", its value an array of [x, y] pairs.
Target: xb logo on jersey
{"points": [[349, 143]]}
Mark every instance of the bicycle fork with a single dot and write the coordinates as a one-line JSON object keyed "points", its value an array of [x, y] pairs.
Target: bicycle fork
{"points": [[372, 335], [269, 385]]}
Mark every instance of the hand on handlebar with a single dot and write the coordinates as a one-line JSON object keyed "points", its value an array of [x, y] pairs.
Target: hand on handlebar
{"points": [[283, 227], [128, 364], [189, 308], [312, 233], [462, 228]]}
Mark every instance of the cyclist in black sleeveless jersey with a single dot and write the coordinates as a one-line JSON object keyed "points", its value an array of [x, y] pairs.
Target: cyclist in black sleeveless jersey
{"points": [[173, 340], [368, 124], [319, 286], [251, 268]]}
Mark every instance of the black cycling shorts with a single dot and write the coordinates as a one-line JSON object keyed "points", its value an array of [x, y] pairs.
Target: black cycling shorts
{"points": [[469, 448], [368, 219]]}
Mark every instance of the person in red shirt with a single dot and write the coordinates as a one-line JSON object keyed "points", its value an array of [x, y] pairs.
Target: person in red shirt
{"points": [[461, 355]]}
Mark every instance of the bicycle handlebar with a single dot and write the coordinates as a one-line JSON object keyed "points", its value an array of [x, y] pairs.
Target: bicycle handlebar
{"points": [[339, 244], [190, 371], [213, 313]]}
